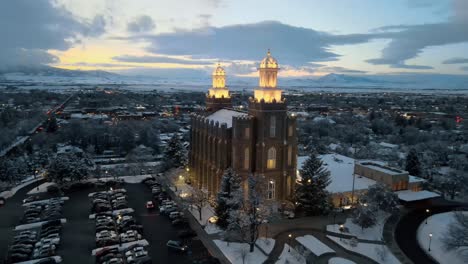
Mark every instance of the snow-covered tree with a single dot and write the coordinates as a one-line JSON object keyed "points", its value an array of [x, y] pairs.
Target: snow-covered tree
{"points": [[175, 154], [226, 199], [381, 197], [450, 184], [364, 216], [413, 166], [69, 167], [311, 193], [456, 237], [199, 199]]}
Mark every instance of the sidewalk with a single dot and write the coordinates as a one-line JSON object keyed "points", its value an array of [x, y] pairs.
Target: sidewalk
{"points": [[206, 239]]}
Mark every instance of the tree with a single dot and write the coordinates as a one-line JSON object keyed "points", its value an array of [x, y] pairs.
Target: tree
{"points": [[413, 166], [381, 197], [450, 184], [311, 193], [69, 167], [199, 199], [175, 154], [456, 237], [364, 216], [226, 199], [52, 124]]}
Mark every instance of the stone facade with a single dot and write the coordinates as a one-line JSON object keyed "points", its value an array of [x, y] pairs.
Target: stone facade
{"points": [[261, 141]]}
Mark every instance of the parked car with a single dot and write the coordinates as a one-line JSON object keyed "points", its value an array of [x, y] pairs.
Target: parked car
{"points": [[175, 215], [187, 233], [149, 205], [176, 246]]}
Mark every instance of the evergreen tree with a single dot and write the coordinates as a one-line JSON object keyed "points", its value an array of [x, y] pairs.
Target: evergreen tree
{"points": [[175, 153], [226, 199], [413, 166], [311, 193], [52, 124]]}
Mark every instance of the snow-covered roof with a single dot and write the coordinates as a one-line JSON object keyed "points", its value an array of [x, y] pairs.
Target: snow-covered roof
{"points": [[341, 173], [409, 196], [415, 179], [388, 145], [378, 166], [323, 118], [225, 116]]}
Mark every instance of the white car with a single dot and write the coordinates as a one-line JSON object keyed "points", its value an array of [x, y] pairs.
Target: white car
{"points": [[133, 250], [106, 233], [136, 255], [47, 241], [174, 215]]}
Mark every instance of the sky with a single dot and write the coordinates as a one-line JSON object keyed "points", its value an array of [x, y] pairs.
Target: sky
{"points": [[307, 37]]}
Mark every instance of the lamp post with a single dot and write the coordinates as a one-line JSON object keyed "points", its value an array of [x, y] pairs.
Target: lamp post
{"points": [[427, 212], [290, 236], [341, 231], [430, 240]]}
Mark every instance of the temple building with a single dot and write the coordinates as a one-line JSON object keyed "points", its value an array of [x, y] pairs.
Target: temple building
{"points": [[261, 141]]}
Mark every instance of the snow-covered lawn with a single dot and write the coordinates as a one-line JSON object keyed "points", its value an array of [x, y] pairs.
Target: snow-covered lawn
{"points": [[125, 165], [207, 212], [41, 188], [371, 233], [127, 179], [266, 244], [437, 225], [379, 253], [314, 245], [291, 256], [212, 229], [27, 181], [338, 260], [238, 253]]}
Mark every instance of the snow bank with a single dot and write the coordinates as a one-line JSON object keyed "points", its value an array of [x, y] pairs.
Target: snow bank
{"points": [[379, 253], [291, 256], [338, 260], [41, 188], [212, 229], [122, 247], [371, 233], [409, 196], [266, 244], [35, 225], [236, 252], [314, 245], [438, 225]]}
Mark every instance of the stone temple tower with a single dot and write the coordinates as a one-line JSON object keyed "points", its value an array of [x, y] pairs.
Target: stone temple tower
{"points": [[218, 96]]}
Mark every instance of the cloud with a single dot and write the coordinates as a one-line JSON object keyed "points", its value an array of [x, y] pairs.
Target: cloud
{"points": [[409, 41], [30, 28], [464, 68], [140, 24], [457, 60], [336, 69], [292, 45], [160, 59]]}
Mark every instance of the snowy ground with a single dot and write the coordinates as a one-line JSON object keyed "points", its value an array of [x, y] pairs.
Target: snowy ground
{"points": [[372, 233], [379, 253], [41, 188], [27, 181], [338, 260], [238, 253], [290, 256], [125, 165], [437, 225], [314, 245], [266, 244]]}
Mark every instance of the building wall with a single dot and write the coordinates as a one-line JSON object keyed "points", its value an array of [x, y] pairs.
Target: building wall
{"points": [[396, 181]]}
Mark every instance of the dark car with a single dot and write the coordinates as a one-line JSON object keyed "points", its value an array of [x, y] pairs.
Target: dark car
{"points": [[21, 250], [186, 234], [18, 257], [181, 222], [176, 246]]}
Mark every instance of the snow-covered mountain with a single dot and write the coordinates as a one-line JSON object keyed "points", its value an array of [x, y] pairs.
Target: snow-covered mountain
{"points": [[334, 78], [42, 70]]}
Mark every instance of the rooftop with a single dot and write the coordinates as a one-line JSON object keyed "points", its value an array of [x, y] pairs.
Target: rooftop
{"points": [[225, 116], [341, 172]]}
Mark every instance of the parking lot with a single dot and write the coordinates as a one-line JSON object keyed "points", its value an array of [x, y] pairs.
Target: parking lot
{"points": [[78, 234]]}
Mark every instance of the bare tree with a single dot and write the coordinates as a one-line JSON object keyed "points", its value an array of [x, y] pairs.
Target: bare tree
{"points": [[199, 200], [456, 237]]}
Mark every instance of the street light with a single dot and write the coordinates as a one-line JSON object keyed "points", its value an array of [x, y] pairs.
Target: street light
{"points": [[341, 231], [430, 240], [290, 236], [427, 211]]}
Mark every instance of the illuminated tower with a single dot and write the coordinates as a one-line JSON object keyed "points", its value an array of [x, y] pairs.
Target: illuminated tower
{"points": [[218, 96], [267, 89]]}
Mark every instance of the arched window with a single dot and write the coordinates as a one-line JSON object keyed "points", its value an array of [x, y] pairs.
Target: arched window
{"points": [[272, 126], [271, 160], [246, 158]]}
